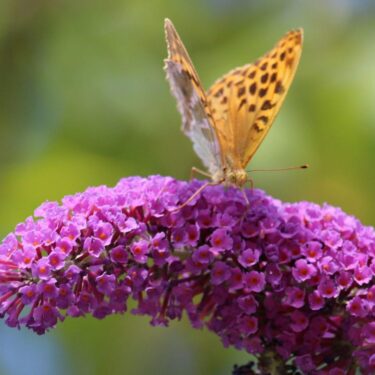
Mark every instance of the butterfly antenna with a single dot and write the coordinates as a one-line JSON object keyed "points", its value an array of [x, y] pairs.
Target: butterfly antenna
{"points": [[304, 166]]}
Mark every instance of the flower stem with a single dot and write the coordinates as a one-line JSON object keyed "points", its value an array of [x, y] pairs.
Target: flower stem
{"points": [[270, 363]]}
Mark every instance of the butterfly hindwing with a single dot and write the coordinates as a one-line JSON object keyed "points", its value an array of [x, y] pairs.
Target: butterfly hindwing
{"points": [[198, 123], [245, 102]]}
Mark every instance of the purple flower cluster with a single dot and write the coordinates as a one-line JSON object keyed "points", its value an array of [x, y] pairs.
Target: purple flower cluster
{"points": [[263, 275]]}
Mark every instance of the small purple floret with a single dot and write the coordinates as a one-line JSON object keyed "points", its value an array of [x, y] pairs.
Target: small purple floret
{"points": [[295, 278]]}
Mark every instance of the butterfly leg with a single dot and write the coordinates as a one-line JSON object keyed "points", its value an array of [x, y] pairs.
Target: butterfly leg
{"points": [[251, 182], [195, 194], [161, 190], [245, 197], [198, 171]]}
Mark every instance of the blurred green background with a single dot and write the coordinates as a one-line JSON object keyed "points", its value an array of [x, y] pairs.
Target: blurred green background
{"points": [[84, 101]]}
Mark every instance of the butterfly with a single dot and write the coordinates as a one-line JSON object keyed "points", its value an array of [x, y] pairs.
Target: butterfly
{"points": [[227, 123]]}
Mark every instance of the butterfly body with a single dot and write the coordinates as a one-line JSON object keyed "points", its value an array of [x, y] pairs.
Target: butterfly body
{"points": [[227, 123], [230, 177]]}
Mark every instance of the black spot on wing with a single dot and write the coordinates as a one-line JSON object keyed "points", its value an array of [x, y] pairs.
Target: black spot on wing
{"points": [[252, 108], [279, 88], [252, 74], [266, 105], [253, 88], [263, 92], [242, 103], [264, 78], [241, 91]]}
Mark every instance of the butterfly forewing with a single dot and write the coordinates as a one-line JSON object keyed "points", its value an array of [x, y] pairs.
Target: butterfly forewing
{"points": [[245, 102], [198, 123]]}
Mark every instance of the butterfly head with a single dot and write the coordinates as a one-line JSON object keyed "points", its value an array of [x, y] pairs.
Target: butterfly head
{"points": [[237, 177]]}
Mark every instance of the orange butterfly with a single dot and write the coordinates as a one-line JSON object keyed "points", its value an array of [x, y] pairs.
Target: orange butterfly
{"points": [[228, 123]]}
